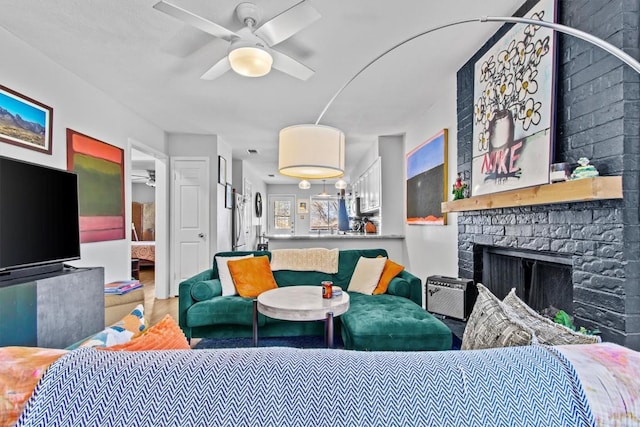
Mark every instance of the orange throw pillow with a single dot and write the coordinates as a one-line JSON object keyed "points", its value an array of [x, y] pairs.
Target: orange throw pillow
{"points": [[165, 335], [252, 276], [390, 270]]}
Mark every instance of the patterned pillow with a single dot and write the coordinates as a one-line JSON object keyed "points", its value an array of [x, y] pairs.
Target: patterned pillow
{"points": [[493, 324], [130, 326], [547, 331], [252, 276], [165, 335]]}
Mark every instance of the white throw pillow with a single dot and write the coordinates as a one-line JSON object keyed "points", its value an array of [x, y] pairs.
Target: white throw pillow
{"points": [[366, 275], [228, 288]]}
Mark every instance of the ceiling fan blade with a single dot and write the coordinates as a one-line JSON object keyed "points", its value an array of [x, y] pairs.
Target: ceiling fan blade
{"points": [[195, 20], [287, 23], [217, 70], [288, 65]]}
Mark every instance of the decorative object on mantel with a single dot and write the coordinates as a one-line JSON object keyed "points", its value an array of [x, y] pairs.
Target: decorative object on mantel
{"points": [[585, 170], [559, 172], [459, 189], [427, 181], [513, 106]]}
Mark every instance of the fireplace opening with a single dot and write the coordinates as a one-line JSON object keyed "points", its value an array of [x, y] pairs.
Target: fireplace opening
{"points": [[542, 280]]}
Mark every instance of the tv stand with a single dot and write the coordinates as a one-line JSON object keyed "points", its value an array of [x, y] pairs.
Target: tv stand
{"points": [[53, 309]]}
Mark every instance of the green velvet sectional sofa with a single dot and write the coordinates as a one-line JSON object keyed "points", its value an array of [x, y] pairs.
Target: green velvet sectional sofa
{"points": [[391, 321]]}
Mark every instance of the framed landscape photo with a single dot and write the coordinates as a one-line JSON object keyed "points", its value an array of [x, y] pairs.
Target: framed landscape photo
{"points": [[427, 181], [24, 121]]}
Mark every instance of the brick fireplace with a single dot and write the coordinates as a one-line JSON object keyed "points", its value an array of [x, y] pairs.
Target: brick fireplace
{"points": [[598, 116]]}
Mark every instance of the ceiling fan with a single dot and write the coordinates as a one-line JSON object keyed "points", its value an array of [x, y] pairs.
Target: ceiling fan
{"points": [[149, 178], [251, 52]]}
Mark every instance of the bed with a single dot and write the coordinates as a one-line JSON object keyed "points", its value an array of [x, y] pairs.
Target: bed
{"points": [[145, 251]]}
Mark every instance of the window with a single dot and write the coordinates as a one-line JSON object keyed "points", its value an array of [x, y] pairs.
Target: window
{"points": [[324, 213], [282, 214]]}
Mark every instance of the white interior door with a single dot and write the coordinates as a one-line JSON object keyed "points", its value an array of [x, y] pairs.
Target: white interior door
{"points": [[191, 218], [281, 214]]}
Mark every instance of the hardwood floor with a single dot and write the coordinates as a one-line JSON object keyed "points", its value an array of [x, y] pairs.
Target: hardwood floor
{"points": [[155, 309]]}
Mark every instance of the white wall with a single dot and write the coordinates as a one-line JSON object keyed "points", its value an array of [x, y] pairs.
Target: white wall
{"points": [[81, 107], [142, 193], [434, 249]]}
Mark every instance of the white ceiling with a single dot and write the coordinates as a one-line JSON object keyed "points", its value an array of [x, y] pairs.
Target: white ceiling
{"points": [[151, 63]]}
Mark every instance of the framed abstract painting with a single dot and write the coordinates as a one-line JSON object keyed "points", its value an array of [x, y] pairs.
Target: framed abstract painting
{"points": [[514, 105], [427, 181], [100, 169]]}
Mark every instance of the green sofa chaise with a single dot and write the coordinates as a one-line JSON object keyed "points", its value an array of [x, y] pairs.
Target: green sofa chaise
{"points": [[391, 321]]}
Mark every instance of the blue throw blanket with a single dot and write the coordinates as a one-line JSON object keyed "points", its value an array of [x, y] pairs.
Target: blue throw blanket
{"points": [[523, 386]]}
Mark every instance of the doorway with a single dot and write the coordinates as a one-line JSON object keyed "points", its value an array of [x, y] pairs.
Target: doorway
{"points": [[281, 214], [149, 236]]}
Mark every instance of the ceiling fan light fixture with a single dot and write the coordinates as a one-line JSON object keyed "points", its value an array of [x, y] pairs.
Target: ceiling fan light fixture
{"points": [[250, 61], [311, 152]]}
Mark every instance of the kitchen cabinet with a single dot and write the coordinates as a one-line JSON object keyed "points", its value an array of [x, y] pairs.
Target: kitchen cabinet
{"points": [[368, 188]]}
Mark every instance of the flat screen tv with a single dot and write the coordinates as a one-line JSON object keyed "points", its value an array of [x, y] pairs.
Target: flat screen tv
{"points": [[39, 222]]}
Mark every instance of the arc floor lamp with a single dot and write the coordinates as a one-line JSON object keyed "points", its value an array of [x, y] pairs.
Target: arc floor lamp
{"points": [[312, 151]]}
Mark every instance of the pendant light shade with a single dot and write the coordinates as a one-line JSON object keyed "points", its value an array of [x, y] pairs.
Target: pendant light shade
{"points": [[311, 152], [341, 184], [304, 185], [250, 61]]}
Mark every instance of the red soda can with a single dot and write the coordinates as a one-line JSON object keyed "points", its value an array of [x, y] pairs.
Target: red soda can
{"points": [[327, 289]]}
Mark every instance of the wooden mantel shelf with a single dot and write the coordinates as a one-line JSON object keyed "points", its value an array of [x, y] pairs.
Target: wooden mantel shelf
{"points": [[580, 190]]}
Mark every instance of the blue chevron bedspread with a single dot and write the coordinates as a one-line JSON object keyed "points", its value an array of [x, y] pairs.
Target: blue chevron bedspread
{"points": [[523, 386]]}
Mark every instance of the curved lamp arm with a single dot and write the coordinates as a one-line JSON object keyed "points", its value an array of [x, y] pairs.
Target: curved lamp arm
{"points": [[613, 50]]}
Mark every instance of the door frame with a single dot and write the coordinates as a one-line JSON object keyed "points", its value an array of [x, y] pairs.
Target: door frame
{"points": [[161, 267], [173, 275], [270, 212]]}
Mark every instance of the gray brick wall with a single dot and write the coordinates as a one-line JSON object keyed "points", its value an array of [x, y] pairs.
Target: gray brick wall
{"points": [[598, 116]]}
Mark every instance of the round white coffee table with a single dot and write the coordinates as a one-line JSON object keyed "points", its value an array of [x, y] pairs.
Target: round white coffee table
{"points": [[300, 303]]}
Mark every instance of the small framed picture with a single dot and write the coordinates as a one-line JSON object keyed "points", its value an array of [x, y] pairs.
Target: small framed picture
{"points": [[222, 170], [228, 198], [303, 206]]}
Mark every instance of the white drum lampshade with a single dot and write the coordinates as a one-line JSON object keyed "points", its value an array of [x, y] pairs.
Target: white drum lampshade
{"points": [[311, 152]]}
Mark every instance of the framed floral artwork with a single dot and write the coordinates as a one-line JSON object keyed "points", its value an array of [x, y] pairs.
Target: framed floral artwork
{"points": [[514, 104]]}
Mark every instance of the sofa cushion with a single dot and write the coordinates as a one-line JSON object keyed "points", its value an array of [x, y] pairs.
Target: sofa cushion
{"points": [[206, 289], [252, 276], [494, 324], [547, 331], [228, 287], [366, 275], [294, 278], [400, 287], [125, 329], [227, 310], [388, 322], [390, 270]]}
